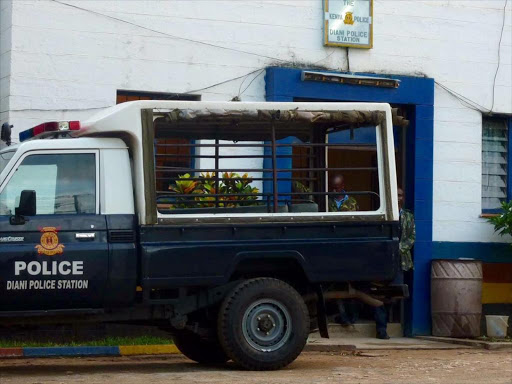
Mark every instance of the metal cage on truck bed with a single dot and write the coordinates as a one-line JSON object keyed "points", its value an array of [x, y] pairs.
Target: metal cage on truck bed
{"points": [[267, 165]]}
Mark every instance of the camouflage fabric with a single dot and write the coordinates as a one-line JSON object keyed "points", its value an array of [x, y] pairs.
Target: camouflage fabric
{"points": [[407, 238], [349, 204]]}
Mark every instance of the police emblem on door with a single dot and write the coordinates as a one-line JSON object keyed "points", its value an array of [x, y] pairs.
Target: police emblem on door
{"points": [[49, 242]]}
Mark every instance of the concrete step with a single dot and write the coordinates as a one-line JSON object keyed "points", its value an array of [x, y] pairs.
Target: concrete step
{"points": [[359, 330], [337, 345]]}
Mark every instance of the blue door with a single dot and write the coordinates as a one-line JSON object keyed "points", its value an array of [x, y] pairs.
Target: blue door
{"points": [[57, 258]]}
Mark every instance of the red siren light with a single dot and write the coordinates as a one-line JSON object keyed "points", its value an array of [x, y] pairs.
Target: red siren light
{"points": [[52, 126]]}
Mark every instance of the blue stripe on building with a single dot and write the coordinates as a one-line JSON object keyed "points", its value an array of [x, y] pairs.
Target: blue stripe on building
{"points": [[486, 252]]}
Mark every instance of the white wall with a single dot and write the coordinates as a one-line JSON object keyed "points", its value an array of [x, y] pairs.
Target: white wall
{"points": [[67, 62], [66, 58], [5, 59]]}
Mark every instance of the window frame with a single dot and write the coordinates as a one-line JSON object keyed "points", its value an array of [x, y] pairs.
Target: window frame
{"points": [[508, 122], [23, 156]]}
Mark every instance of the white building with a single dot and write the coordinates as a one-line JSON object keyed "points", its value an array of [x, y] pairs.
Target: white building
{"points": [[63, 60]]}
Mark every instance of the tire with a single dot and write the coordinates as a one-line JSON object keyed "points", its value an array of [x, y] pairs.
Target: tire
{"points": [[199, 350], [263, 324]]}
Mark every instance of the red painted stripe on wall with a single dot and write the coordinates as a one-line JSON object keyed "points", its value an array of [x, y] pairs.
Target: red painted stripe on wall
{"points": [[498, 272]]}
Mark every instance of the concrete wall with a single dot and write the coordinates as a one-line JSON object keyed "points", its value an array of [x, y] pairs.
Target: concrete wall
{"points": [[5, 58], [67, 63]]}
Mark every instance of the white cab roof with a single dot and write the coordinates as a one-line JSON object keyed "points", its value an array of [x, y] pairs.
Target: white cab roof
{"points": [[68, 143], [125, 118]]}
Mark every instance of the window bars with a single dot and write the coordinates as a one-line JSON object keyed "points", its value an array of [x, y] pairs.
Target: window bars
{"points": [[261, 168]]}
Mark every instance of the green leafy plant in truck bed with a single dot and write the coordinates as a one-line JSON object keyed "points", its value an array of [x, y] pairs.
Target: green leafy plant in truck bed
{"points": [[236, 190], [207, 189], [184, 186], [239, 185]]}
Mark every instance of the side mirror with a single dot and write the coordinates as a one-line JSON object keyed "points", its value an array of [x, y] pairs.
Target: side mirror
{"points": [[27, 205], [5, 134]]}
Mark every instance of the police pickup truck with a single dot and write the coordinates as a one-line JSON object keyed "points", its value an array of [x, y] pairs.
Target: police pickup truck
{"points": [[218, 221]]}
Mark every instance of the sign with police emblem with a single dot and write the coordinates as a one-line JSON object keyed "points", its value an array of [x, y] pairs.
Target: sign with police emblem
{"points": [[348, 23]]}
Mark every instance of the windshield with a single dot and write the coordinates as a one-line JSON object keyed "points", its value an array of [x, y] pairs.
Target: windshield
{"points": [[4, 159]]}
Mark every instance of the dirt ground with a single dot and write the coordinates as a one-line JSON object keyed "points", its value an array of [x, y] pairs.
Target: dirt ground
{"points": [[398, 366]]}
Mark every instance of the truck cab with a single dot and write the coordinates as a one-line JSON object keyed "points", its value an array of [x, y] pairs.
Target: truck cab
{"points": [[216, 221], [62, 205]]}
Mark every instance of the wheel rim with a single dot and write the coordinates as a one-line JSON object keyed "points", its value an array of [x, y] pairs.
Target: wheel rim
{"points": [[267, 325]]}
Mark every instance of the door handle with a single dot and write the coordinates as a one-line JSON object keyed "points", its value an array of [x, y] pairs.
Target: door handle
{"points": [[85, 236]]}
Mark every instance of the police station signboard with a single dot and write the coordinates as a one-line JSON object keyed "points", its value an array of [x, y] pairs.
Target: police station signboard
{"points": [[348, 23]]}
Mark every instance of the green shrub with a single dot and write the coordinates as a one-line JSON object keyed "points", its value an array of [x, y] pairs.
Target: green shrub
{"points": [[503, 221]]}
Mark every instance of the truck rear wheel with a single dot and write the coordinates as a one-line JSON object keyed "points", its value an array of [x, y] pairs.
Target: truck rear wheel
{"points": [[198, 349], [263, 324]]}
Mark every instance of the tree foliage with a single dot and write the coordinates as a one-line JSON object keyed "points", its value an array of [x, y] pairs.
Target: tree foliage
{"points": [[503, 221]]}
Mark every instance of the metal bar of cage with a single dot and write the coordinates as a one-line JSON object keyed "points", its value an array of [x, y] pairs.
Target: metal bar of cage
{"points": [[171, 155], [242, 145], [274, 168], [216, 183], [267, 194], [278, 170], [201, 178]]}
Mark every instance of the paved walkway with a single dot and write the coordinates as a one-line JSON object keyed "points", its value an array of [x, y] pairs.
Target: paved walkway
{"points": [[369, 343]]}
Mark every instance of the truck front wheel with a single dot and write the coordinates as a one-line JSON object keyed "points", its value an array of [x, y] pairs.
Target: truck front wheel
{"points": [[198, 349], [263, 324]]}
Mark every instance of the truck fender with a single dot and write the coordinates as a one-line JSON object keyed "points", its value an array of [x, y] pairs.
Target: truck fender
{"points": [[269, 255]]}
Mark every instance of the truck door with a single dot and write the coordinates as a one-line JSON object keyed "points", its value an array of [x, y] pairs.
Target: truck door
{"points": [[57, 258]]}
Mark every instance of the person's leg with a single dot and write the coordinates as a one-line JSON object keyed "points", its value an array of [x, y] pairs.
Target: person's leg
{"points": [[381, 322], [343, 317], [353, 308], [399, 278]]}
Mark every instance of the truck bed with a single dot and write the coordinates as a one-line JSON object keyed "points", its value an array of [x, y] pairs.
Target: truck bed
{"points": [[199, 255]]}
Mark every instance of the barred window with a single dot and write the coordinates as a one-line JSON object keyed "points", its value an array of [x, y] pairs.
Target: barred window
{"points": [[494, 162]]}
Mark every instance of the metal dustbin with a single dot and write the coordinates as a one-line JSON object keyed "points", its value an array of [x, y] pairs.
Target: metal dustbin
{"points": [[456, 298]]}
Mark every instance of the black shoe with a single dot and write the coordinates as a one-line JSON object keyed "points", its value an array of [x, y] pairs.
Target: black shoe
{"points": [[383, 335]]}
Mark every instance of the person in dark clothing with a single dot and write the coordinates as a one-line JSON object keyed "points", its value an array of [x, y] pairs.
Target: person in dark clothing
{"points": [[407, 238], [341, 202]]}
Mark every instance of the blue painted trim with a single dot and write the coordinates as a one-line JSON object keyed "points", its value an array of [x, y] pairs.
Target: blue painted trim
{"points": [[285, 84], [486, 252], [70, 351], [497, 210]]}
